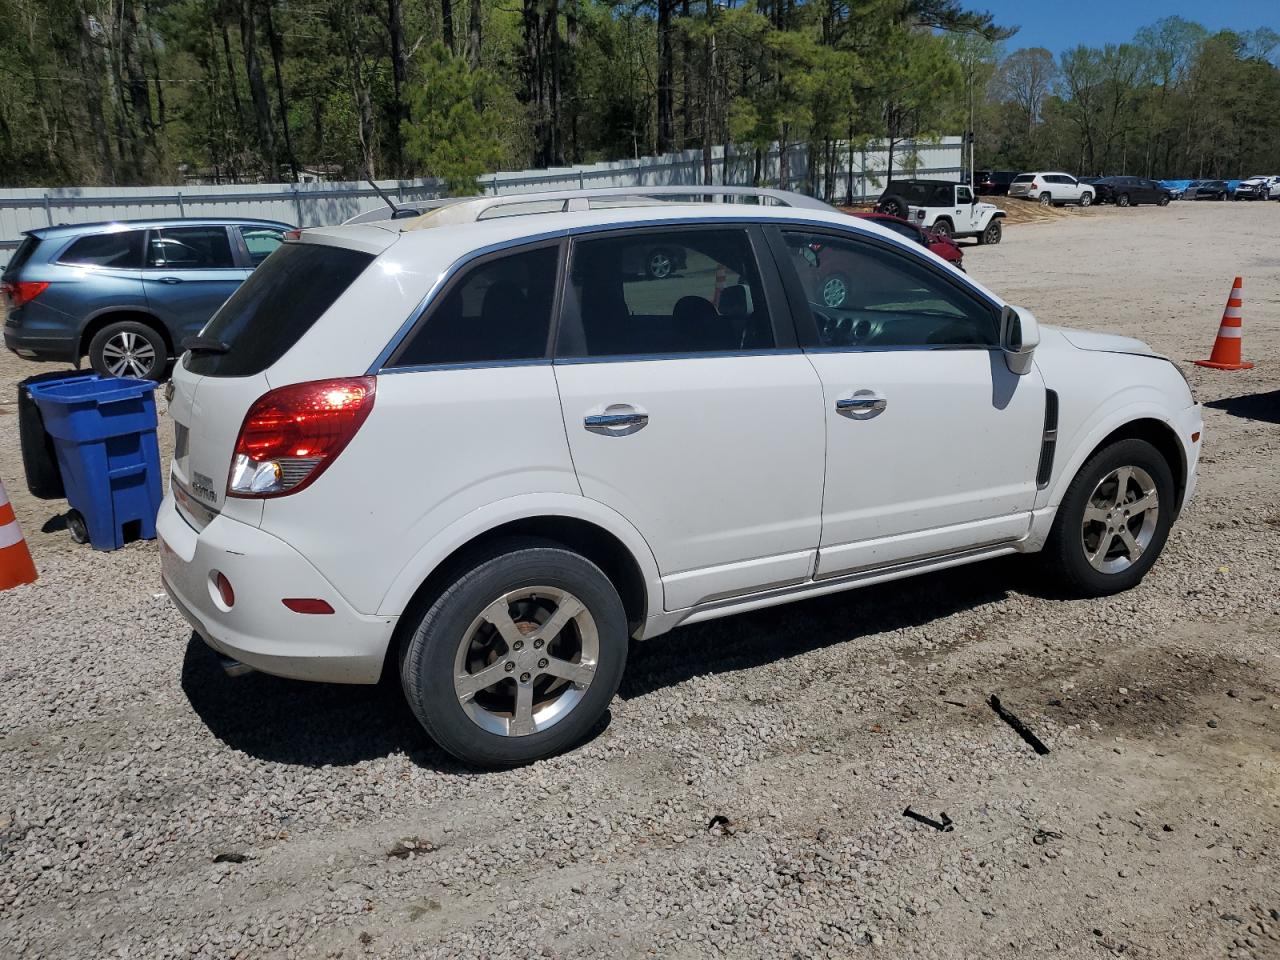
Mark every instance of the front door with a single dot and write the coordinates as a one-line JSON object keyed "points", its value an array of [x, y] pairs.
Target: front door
{"points": [[966, 210], [690, 410], [190, 273], [932, 443]]}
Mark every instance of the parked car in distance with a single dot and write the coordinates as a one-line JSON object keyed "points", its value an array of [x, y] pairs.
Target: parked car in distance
{"points": [[483, 455], [946, 208], [993, 183], [1051, 189], [1130, 191], [1257, 188], [1206, 190], [943, 246], [126, 293]]}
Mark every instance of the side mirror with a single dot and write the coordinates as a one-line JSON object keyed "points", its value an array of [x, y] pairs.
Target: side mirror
{"points": [[1019, 337]]}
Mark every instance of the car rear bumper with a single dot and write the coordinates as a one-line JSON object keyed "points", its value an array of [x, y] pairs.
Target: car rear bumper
{"points": [[258, 629], [36, 347]]}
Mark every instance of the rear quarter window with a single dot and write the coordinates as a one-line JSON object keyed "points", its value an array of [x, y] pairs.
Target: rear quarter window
{"points": [[118, 250], [20, 256], [280, 302]]}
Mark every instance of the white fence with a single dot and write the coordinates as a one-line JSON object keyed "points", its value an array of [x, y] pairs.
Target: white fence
{"points": [[318, 204]]}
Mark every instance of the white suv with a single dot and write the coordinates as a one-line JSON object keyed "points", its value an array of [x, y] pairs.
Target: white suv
{"points": [[1052, 189], [487, 451]]}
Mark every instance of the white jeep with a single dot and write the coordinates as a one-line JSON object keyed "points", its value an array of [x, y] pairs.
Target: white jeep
{"points": [[946, 208]]}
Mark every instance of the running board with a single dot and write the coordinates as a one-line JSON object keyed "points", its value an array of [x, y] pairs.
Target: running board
{"points": [[859, 578]]}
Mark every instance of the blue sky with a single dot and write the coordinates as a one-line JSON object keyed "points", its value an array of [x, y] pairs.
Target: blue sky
{"points": [[1059, 26]]}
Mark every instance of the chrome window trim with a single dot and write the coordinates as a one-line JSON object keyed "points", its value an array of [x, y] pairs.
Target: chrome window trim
{"points": [[705, 355], [470, 365], [853, 229]]}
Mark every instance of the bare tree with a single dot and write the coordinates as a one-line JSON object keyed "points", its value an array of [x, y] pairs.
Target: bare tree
{"points": [[1026, 77]]}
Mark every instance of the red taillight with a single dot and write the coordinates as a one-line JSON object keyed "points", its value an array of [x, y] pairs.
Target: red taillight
{"points": [[308, 605], [290, 435], [1034, 185], [23, 291], [293, 234]]}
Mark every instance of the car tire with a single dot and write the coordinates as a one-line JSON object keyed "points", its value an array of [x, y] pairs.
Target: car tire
{"points": [[895, 207], [1086, 199], [992, 233], [943, 228], [1123, 200], [1089, 556], [453, 639], [1163, 201], [127, 348], [1046, 200], [659, 263]]}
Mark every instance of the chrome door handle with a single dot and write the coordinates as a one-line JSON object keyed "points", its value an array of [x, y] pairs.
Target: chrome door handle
{"points": [[170, 279], [615, 423], [863, 405]]}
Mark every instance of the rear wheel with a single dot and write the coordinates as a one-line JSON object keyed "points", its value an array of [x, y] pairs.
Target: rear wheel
{"points": [[942, 228], [992, 233], [1113, 520], [660, 264], [519, 657], [129, 349]]}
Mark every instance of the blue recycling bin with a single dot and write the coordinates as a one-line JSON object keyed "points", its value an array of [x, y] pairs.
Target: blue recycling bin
{"points": [[104, 436]]}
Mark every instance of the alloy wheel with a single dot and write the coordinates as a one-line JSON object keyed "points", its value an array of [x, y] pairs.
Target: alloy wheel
{"points": [[659, 265], [1086, 200], [1120, 519], [1045, 200], [128, 354], [526, 661]]}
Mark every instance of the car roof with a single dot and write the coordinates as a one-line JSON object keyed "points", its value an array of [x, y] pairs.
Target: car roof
{"points": [[104, 226]]}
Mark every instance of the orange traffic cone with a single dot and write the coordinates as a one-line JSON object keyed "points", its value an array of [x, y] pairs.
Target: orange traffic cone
{"points": [[16, 566], [1226, 349]]}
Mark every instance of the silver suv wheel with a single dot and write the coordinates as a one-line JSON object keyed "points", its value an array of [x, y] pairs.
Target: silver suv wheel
{"points": [[1120, 519], [128, 354], [526, 661]]}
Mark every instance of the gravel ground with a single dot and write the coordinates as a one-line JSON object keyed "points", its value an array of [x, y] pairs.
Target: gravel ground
{"points": [[746, 796]]}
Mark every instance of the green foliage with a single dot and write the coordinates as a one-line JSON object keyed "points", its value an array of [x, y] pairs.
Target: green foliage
{"points": [[453, 135]]}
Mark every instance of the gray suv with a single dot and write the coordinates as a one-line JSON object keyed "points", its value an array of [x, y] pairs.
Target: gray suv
{"points": [[125, 294]]}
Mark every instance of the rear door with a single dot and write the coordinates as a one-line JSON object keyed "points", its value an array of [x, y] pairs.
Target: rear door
{"points": [[190, 272], [689, 409]]}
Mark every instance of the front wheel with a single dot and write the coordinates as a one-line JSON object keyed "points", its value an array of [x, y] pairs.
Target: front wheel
{"points": [[1122, 200], [1113, 521], [1046, 200], [519, 658], [992, 233], [1164, 201], [660, 264]]}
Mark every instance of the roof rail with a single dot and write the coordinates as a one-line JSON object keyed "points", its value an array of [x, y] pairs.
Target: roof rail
{"points": [[455, 210]]}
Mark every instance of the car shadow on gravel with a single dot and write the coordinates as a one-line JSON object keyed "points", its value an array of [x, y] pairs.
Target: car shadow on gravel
{"points": [[312, 724], [1264, 407], [778, 633]]}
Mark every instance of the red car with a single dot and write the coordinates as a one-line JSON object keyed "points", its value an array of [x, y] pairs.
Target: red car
{"points": [[940, 245]]}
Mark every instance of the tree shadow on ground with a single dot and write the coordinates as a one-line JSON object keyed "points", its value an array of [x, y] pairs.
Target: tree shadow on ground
{"points": [[1264, 407], [316, 724]]}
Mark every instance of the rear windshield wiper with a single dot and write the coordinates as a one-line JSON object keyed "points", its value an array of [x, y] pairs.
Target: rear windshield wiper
{"points": [[205, 345]]}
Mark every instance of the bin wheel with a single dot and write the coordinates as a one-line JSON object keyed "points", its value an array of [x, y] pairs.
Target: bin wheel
{"points": [[79, 529]]}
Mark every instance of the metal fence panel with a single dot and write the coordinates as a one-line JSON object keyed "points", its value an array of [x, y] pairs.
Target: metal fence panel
{"points": [[326, 203]]}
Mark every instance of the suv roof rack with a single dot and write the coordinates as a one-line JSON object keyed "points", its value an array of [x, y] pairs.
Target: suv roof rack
{"points": [[455, 210]]}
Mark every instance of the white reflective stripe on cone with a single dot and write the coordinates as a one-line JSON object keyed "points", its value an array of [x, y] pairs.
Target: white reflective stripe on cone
{"points": [[10, 534], [1230, 333]]}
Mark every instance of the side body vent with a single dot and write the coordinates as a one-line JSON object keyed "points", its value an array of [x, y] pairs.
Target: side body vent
{"points": [[1049, 440]]}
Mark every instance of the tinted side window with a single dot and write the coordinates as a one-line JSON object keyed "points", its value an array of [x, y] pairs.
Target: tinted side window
{"points": [[497, 310], [260, 241], [279, 302], [862, 294], [665, 292], [190, 248], [121, 250]]}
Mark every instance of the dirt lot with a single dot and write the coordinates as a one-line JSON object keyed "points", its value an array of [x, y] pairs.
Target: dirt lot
{"points": [[150, 807]]}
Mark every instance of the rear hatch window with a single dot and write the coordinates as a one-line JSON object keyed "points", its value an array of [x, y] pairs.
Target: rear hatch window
{"points": [[279, 303], [20, 256], [1024, 178]]}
